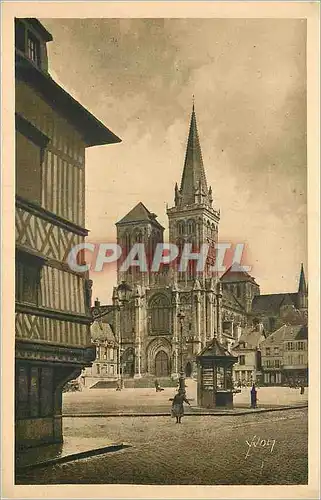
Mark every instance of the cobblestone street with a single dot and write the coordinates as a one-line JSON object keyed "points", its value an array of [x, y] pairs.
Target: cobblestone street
{"points": [[93, 401], [203, 450]]}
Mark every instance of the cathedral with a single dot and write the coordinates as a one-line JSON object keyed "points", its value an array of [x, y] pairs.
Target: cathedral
{"points": [[170, 315]]}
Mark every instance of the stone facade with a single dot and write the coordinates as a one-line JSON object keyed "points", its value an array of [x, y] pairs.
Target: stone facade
{"points": [[285, 356], [154, 340], [105, 366], [248, 369]]}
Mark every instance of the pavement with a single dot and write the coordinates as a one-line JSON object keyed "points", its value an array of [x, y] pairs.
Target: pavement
{"points": [[146, 402], [252, 449], [72, 448], [141, 403]]}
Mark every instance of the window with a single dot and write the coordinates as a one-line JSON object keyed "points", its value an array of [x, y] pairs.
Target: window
{"points": [[289, 346], [28, 274], [112, 369], [98, 369], [159, 314], [268, 351], [46, 391], [33, 48], [242, 360], [277, 363], [191, 227], [22, 392], [112, 354], [127, 243], [276, 351], [28, 173], [34, 391], [301, 359], [301, 346], [180, 227], [30, 145]]}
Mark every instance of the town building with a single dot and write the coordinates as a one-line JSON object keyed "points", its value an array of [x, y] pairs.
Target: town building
{"points": [[284, 356], [105, 366], [172, 314], [52, 309], [248, 369]]}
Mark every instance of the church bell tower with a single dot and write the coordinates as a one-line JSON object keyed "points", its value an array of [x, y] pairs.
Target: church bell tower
{"points": [[193, 219]]}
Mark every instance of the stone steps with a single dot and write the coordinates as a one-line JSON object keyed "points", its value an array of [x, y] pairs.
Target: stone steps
{"points": [[139, 383]]}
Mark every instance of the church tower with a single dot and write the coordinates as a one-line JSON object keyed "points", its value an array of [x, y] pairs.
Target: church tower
{"points": [[302, 292], [193, 219], [138, 226]]}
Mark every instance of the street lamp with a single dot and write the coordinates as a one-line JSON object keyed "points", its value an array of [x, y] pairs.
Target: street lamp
{"points": [[181, 317], [123, 293]]}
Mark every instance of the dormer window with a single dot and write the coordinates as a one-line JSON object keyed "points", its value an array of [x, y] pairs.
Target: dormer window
{"points": [[33, 48], [31, 38]]}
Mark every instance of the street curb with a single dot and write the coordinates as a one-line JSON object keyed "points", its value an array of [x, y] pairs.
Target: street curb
{"points": [[72, 457], [227, 413]]}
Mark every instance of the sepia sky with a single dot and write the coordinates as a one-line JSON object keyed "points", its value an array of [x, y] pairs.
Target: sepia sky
{"points": [[249, 79]]}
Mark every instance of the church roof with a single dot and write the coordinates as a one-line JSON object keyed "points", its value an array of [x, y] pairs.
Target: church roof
{"points": [[193, 177], [233, 275], [302, 333], [273, 302], [139, 214]]}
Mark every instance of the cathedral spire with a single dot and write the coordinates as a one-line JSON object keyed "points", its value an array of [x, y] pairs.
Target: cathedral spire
{"points": [[193, 186], [302, 282]]}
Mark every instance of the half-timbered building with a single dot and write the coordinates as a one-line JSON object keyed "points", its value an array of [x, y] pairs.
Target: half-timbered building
{"points": [[53, 341]]}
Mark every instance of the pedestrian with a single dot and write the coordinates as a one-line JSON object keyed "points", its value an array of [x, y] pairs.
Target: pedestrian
{"points": [[253, 396], [178, 405], [302, 389]]}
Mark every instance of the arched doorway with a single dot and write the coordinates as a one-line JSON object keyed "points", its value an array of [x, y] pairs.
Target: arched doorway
{"points": [[188, 369], [128, 363], [161, 364]]}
